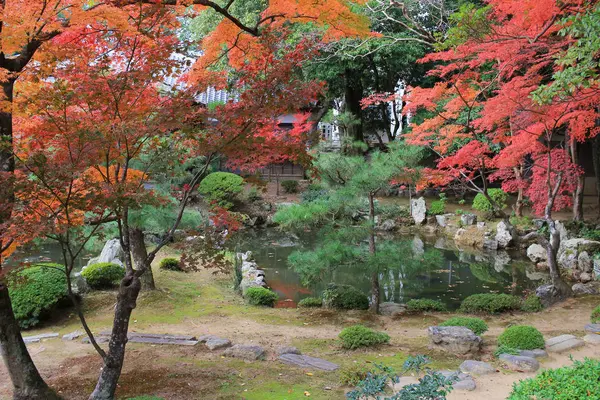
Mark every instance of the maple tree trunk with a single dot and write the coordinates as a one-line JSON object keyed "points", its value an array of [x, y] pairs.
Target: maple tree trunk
{"points": [[374, 303], [519, 204], [140, 258], [578, 194]]}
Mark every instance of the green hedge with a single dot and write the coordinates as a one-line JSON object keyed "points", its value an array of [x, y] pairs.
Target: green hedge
{"points": [[35, 291], [172, 264], [311, 302], [579, 381], [357, 336], [103, 275], [595, 317], [222, 188], [478, 326], [532, 303], [481, 203], [421, 305], [260, 296], [345, 297], [522, 337], [491, 303]]}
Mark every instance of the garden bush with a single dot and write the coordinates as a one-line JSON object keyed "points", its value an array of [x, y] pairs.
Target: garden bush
{"points": [[421, 305], [311, 302], [532, 303], [595, 317], [522, 337], [222, 188], [478, 326], [438, 207], [290, 186], [481, 203], [579, 381], [103, 275], [35, 291], [492, 303], [172, 264], [357, 336], [354, 373], [259, 296], [345, 297]]}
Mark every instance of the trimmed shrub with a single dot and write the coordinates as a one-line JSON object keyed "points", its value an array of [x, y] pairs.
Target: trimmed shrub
{"points": [[478, 326], [260, 296], [579, 381], [492, 303], [481, 203], [532, 303], [172, 264], [345, 297], [310, 302], [222, 188], [290, 186], [595, 318], [357, 336], [421, 305], [354, 373], [522, 337], [438, 207], [35, 291], [103, 275]]}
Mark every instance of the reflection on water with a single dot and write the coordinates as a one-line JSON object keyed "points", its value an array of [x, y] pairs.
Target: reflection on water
{"points": [[43, 251], [458, 275]]}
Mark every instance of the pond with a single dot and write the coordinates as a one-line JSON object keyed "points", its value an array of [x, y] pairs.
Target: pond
{"points": [[455, 275]]}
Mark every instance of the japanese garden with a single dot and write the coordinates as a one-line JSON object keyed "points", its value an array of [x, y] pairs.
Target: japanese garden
{"points": [[291, 199]]}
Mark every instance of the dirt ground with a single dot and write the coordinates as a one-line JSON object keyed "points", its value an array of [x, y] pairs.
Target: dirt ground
{"points": [[198, 303]]}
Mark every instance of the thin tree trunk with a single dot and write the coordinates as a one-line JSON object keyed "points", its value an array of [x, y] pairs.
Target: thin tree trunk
{"points": [[374, 304], [140, 258], [352, 97], [578, 194], [519, 204]]}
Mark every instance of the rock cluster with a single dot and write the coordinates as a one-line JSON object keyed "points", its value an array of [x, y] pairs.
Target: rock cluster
{"points": [[252, 276], [454, 339]]}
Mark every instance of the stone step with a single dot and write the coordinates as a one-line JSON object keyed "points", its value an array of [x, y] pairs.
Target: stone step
{"points": [[37, 338], [562, 343], [153, 335]]}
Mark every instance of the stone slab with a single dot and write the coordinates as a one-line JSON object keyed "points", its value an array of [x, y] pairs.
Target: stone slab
{"points": [[537, 353], [308, 362], [99, 339], [519, 363], [476, 368], [592, 338], [246, 352], [216, 343], [562, 343], [153, 340], [72, 335], [153, 335], [41, 336], [593, 328]]}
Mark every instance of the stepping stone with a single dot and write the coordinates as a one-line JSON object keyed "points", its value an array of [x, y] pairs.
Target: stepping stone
{"points": [[288, 350], [246, 352], [562, 343], [216, 343], [37, 338], [593, 328], [592, 338], [463, 382], [204, 338], [476, 368], [307, 362], [153, 335], [537, 353], [99, 339], [72, 335], [520, 363], [155, 340]]}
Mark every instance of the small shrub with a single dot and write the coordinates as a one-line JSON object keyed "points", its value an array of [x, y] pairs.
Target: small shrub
{"points": [[532, 303], [310, 302], [259, 296], [579, 381], [357, 336], [169, 263], [103, 275], [354, 373], [438, 207], [345, 297], [478, 326], [290, 186], [421, 305], [222, 188], [595, 318], [522, 337], [35, 291], [481, 203], [491, 303]]}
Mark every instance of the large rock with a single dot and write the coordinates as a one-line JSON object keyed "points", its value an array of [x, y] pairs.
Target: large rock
{"points": [[520, 363], [562, 343], [476, 368], [585, 262], [307, 362], [454, 339], [592, 338], [586, 288], [550, 295], [573, 254], [111, 253], [217, 343], [537, 253], [418, 210], [246, 352], [503, 235], [468, 219], [441, 220], [461, 380], [388, 225], [392, 309]]}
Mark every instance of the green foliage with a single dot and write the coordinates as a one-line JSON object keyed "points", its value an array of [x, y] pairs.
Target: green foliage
{"points": [[290, 186], [259, 296], [310, 302], [169, 263], [469, 22], [478, 326], [502, 349], [35, 291], [222, 188], [438, 207], [522, 337], [498, 196], [589, 233], [345, 297], [521, 222], [532, 303], [314, 192], [252, 195], [595, 317], [304, 215], [354, 373], [492, 303], [103, 275], [415, 363], [357, 336], [579, 381], [391, 211], [422, 305]]}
